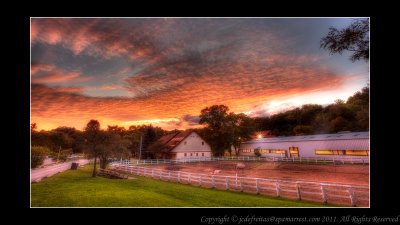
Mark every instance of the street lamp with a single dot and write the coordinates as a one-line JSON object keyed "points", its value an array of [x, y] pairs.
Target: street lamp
{"points": [[140, 147]]}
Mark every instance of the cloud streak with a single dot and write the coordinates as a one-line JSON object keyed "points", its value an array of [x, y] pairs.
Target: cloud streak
{"points": [[172, 68]]}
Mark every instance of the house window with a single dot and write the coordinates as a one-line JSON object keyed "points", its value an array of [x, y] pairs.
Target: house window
{"points": [[342, 152], [324, 152], [277, 151], [202, 143], [197, 154], [357, 152], [246, 150], [184, 142], [184, 154], [202, 154]]}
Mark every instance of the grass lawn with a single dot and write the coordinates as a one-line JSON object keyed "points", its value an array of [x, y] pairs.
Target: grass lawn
{"points": [[76, 188]]}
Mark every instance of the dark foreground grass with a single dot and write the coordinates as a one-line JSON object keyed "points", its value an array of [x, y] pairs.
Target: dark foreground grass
{"points": [[76, 188]]}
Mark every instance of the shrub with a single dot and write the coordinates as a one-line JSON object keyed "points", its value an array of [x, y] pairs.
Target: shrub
{"points": [[61, 155], [38, 154], [64, 154]]}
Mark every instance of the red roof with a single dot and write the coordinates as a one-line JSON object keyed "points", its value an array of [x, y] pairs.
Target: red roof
{"points": [[170, 141]]}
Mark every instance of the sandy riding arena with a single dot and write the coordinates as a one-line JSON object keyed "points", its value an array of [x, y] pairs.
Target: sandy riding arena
{"points": [[339, 174]]}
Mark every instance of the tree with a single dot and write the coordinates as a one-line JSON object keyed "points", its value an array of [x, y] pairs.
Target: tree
{"points": [[224, 130], [112, 147], [359, 103], [33, 127], [338, 124], [241, 128], [302, 130], [354, 38], [216, 132], [38, 154], [93, 139]]}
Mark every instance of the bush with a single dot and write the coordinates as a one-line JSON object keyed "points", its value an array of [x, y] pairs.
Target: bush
{"points": [[257, 152], [38, 154], [62, 155]]}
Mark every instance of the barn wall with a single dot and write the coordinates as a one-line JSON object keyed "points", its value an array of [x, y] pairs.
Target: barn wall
{"points": [[307, 148], [192, 144]]}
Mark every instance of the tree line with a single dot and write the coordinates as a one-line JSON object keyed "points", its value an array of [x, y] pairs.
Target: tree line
{"points": [[223, 130], [110, 143], [350, 115]]}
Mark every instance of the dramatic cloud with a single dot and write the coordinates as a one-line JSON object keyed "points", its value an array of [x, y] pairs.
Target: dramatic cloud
{"points": [[42, 73], [164, 71]]}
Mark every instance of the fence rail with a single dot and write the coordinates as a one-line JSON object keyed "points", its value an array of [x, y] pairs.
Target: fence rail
{"points": [[311, 160], [302, 190]]}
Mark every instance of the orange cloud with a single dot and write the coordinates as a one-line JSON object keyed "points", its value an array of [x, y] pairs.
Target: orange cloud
{"points": [[50, 74], [53, 108], [180, 67], [35, 68]]}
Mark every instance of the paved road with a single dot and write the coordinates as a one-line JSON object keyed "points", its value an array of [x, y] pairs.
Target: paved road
{"points": [[38, 174]]}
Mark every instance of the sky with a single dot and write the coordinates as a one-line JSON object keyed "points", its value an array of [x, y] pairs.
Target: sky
{"points": [[164, 71]]}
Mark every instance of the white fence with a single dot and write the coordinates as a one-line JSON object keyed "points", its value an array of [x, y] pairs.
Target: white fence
{"points": [[311, 160], [301, 190]]}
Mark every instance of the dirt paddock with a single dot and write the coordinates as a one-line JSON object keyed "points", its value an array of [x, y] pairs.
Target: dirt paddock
{"points": [[339, 174]]}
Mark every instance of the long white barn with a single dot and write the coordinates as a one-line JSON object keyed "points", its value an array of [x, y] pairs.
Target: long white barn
{"points": [[344, 145]]}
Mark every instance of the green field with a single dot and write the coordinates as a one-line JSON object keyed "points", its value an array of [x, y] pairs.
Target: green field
{"points": [[76, 188]]}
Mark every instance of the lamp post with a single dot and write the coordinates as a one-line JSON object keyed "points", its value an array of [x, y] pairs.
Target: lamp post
{"points": [[58, 155], [140, 146]]}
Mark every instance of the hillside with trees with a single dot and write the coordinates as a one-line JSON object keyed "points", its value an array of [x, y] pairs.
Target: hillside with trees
{"points": [[352, 115]]}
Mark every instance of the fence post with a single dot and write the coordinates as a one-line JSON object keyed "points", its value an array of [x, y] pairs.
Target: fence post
{"points": [[179, 176], [213, 181], [169, 176], [257, 188], [200, 181], [298, 191], [227, 183], [323, 194], [190, 178], [241, 184], [352, 197], [152, 173], [278, 189]]}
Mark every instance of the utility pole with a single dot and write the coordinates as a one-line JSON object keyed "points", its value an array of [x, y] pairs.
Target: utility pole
{"points": [[58, 155], [140, 147]]}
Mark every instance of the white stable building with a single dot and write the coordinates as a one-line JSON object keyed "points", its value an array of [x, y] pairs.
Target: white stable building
{"points": [[344, 145], [183, 145]]}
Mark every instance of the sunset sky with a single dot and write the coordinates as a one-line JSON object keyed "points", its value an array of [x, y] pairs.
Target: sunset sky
{"points": [[163, 71]]}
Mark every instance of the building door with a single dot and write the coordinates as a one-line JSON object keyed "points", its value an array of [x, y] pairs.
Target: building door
{"points": [[294, 152]]}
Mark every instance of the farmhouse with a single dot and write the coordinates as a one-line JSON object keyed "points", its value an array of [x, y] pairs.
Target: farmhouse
{"points": [[182, 145], [345, 145]]}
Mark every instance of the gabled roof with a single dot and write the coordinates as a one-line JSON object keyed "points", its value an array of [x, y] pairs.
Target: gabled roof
{"points": [[170, 141]]}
